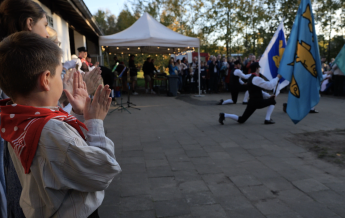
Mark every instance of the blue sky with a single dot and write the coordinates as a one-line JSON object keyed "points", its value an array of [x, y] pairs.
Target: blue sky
{"points": [[115, 6]]}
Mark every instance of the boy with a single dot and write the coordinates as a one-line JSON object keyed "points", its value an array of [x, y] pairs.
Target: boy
{"points": [[63, 169]]}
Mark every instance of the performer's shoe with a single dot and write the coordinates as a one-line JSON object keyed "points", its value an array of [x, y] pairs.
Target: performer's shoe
{"points": [[269, 121], [313, 111], [244, 102], [284, 107], [220, 102], [221, 118]]}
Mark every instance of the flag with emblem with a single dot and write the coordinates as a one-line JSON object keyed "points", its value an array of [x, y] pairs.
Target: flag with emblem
{"points": [[340, 60], [301, 64], [272, 56]]}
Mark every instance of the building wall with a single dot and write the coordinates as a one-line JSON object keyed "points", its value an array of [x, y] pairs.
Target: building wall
{"points": [[61, 27], [79, 41]]}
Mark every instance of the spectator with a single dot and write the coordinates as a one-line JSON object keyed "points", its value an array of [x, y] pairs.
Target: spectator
{"points": [[172, 67], [210, 60], [147, 71], [133, 72], [82, 55], [224, 71], [42, 159], [203, 77], [338, 79], [181, 68], [331, 63], [152, 71], [89, 60], [214, 74], [252, 60]]}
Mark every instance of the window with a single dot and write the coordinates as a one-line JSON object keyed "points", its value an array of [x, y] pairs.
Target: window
{"points": [[50, 21]]}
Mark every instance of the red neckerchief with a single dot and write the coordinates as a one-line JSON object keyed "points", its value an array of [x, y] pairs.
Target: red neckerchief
{"points": [[22, 126]]}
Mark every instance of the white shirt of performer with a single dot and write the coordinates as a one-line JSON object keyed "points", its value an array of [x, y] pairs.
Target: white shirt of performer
{"points": [[241, 75], [267, 85]]}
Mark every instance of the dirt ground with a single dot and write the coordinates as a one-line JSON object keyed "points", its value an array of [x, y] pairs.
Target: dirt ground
{"points": [[327, 145]]}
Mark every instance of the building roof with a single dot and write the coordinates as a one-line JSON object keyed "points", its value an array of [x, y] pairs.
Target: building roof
{"points": [[76, 13]]}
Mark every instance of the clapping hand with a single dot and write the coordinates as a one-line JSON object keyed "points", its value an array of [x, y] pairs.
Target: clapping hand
{"points": [[92, 79], [98, 108], [78, 97]]}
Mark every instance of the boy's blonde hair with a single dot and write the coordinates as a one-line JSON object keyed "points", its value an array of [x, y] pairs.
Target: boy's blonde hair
{"points": [[24, 56]]}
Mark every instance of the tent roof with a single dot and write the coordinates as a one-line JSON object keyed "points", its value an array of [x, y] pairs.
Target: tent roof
{"points": [[147, 35]]}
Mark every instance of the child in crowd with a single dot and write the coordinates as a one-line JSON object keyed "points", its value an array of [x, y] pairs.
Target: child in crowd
{"points": [[64, 162]]}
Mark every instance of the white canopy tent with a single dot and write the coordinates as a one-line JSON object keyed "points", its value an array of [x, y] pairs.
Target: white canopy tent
{"points": [[147, 35]]}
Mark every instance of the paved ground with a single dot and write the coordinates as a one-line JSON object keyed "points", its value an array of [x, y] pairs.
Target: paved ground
{"points": [[178, 161]]}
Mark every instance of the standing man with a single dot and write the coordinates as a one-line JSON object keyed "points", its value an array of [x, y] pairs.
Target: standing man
{"points": [[133, 72], [236, 84], [258, 98], [214, 73]]}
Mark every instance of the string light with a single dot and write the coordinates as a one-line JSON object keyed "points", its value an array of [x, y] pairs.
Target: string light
{"points": [[116, 47], [168, 49], [110, 53], [138, 48], [121, 52], [128, 49], [158, 47]]}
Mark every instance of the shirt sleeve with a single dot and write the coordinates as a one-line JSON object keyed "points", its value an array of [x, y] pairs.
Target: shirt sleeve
{"points": [[265, 95], [240, 80], [86, 166], [268, 85], [240, 74]]}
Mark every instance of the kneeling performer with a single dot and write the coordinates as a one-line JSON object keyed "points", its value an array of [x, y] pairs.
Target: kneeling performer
{"points": [[236, 85], [258, 99]]}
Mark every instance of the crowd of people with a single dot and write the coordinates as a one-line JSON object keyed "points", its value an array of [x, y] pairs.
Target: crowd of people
{"points": [[215, 74]]}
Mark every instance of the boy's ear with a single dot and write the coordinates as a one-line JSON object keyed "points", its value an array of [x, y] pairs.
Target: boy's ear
{"points": [[29, 23], [44, 80]]}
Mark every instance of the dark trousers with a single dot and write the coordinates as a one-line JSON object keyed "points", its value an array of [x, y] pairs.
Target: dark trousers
{"points": [[235, 90], [203, 84], [94, 214], [234, 94], [338, 84], [254, 104], [214, 82]]}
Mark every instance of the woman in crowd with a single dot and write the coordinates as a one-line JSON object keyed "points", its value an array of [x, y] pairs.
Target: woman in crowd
{"points": [[171, 67], [181, 68], [15, 16]]}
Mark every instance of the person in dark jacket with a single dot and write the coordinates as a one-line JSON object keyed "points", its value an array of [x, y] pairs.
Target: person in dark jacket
{"points": [[214, 74], [133, 72]]}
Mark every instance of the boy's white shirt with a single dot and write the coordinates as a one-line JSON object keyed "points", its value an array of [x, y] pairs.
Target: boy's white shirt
{"points": [[68, 174]]}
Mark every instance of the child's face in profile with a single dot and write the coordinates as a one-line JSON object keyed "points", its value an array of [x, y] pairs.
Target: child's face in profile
{"points": [[56, 86]]}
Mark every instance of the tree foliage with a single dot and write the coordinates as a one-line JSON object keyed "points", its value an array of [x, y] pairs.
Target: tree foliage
{"points": [[232, 26]]}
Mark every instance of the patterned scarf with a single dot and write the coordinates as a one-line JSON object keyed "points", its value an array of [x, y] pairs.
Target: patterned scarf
{"points": [[22, 125]]}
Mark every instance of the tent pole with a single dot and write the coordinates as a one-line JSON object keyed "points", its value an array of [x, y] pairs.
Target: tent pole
{"points": [[199, 70]]}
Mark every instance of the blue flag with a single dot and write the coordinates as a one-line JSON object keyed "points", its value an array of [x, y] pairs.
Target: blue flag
{"points": [[272, 56], [301, 64], [340, 60]]}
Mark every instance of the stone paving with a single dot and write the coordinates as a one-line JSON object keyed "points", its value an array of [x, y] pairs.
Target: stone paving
{"points": [[178, 161]]}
